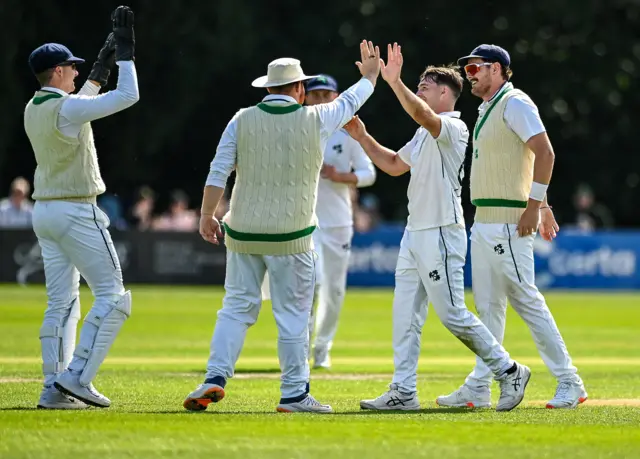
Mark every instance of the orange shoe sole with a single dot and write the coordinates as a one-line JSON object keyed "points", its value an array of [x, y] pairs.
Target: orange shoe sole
{"points": [[215, 394]]}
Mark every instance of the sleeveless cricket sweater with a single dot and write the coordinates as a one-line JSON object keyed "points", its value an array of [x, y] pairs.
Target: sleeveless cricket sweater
{"points": [[501, 168], [272, 207], [67, 167]]}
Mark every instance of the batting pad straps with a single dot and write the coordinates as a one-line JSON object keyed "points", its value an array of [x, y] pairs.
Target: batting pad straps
{"points": [[82, 352], [52, 368], [108, 329], [51, 331]]}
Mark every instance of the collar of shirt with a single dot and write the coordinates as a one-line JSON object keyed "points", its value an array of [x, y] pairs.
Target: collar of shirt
{"points": [[450, 114], [503, 88], [56, 90], [279, 99]]}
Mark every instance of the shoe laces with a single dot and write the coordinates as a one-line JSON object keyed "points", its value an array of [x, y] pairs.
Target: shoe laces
{"points": [[563, 390], [311, 401]]}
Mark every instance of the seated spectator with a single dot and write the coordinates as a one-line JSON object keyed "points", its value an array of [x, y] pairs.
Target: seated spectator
{"points": [[179, 217], [142, 212], [16, 210]]}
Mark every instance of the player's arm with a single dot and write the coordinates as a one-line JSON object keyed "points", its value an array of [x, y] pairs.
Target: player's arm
{"points": [[363, 167], [522, 116], [84, 108], [80, 109], [415, 107], [387, 160], [221, 167], [363, 174]]}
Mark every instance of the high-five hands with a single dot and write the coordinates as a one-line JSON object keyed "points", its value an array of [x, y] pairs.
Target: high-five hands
{"points": [[391, 70], [123, 33], [369, 63]]}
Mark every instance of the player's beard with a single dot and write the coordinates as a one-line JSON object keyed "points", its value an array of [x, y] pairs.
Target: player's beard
{"points": [[479, 89]]}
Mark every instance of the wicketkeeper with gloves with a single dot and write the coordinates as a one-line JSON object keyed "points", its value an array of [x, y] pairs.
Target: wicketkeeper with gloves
{"points": [[71, 229]]}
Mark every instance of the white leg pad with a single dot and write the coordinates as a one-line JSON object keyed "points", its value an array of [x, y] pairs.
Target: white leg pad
{"points": [[57, 365], [70, 331], [108, 328]]}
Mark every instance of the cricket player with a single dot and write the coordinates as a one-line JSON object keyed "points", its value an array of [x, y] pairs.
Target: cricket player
{"points": [[511, 169], [345, 165], [277, 150], [71, 229], [433, 249]]}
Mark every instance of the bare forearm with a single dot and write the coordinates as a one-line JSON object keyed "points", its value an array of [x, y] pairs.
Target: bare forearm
{"points": [[345, 177], [211, 199], [417, 108], [387, 160], [543, 167]]}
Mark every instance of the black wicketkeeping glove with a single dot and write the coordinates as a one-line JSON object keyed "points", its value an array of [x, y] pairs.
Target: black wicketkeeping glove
{"points": [[123, 33], [104, 63]]}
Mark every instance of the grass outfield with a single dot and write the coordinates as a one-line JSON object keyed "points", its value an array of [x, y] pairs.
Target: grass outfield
{"points": [[162, 350]]}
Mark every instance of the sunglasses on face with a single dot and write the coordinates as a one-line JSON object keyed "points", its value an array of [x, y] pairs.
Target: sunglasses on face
{"points": [[472, 69], [68, 64]]}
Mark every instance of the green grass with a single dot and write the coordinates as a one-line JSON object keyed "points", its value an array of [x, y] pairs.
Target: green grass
{"points": [[162, 350]]}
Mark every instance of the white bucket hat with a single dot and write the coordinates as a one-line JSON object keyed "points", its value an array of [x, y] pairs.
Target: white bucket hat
{"points": [[280, 72]]}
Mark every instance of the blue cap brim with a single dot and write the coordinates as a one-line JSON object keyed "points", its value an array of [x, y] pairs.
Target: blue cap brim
{"points": [[463, 60], [321, 87]]}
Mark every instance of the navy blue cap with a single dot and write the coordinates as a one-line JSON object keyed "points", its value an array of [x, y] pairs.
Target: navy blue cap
{"points": [[322, 82], [491, 53], [49, 56]]}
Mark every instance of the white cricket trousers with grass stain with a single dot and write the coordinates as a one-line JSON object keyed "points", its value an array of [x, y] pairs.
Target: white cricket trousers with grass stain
{"points": [[291, 284], [502, 267], [430, 269]]}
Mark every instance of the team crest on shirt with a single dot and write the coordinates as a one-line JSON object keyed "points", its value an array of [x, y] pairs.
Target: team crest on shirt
{"points": [[346, 246], [499, 249], [434, 275]]}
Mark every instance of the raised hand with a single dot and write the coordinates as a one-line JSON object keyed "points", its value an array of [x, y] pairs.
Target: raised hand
{"points": [[391, 70], [356, 128], [102, 66], [369, 63], [123, 33]]}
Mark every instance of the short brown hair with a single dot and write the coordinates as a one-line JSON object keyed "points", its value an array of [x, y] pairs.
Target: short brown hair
{"points": [[506, 72], [448, 75], [45, 77]]}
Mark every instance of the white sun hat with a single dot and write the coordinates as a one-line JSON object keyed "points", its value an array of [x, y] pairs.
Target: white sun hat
{"points": [[280, 72]]}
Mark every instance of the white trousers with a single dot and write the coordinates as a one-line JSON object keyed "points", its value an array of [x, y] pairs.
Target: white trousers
{"points": [[430, 269], [333, 246], [502, 267], [75, 241], [291, 284]]}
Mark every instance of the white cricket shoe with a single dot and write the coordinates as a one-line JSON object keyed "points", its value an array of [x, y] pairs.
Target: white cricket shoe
{"points": [[393, 399], [467, 397], [569, 394], [307, 405], [52, 399], [512, 387], [199, 399], [69, 383], [321, 358]]}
